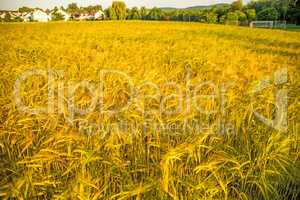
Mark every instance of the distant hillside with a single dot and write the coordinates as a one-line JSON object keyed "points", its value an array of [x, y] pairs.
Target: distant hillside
{"points": [[170, 9], [207, 7], [198, 7]]}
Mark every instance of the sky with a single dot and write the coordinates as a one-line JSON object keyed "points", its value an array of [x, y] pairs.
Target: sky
{"points": [[14, 4]]}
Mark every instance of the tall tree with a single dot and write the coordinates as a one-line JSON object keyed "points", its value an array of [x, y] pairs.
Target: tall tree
{"points": [[73, 8], [155, 14], [143, 13], [211, 17], [111, 14], [232, 18], [134, 13], [293, 13], [119, 9], [251, 14], [221, 11], [55, 9], [237, 5], [282, 7], [268, 14], [91, 9]]}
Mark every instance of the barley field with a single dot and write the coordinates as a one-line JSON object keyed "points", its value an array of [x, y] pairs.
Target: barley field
{"points": [[185, 90]]}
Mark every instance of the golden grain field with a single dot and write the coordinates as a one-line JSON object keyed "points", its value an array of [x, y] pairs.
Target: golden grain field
{"points": [[64, 155]]}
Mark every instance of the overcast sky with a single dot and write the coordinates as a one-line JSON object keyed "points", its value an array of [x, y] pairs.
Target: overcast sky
{"points": [[14, 4]]}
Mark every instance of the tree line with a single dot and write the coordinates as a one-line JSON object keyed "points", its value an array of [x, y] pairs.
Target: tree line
{"points": [[72, 8], [235, 13]]}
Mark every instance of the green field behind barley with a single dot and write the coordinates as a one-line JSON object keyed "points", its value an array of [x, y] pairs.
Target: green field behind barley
{"points": [[50, 156]]}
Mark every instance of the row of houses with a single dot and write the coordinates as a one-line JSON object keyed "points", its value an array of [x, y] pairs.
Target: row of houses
{"points": [[42, 16], [11, 14]]}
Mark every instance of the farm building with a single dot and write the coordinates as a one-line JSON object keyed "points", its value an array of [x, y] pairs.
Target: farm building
{"points": [[40, 16], [27, 17], [12, 14], [99, 15], [86, 17], [2, 15]]}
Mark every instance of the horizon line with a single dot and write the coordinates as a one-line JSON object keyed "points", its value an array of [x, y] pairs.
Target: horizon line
{"points": [[103, 8]]}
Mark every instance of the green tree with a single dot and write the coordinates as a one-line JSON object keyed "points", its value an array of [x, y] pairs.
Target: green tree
{"points": [[222, 19], [251, 14], [282, 6], [25, 9], [134, 13], [17, 19], [208, 16], [211, 17], [260, 5], [221, 11], [232, 18], [55, 9], [57, 16], [111, 14], [7, 17], [242, 17], [91, 9], [118, 10], [237, 5], [293, 13], [155, 14], [73, 8], [268, 14], [183, 16], [143, 13]]}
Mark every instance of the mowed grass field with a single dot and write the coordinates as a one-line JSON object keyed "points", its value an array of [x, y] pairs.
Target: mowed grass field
{"points": [[292, 27], [53, 156]]}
